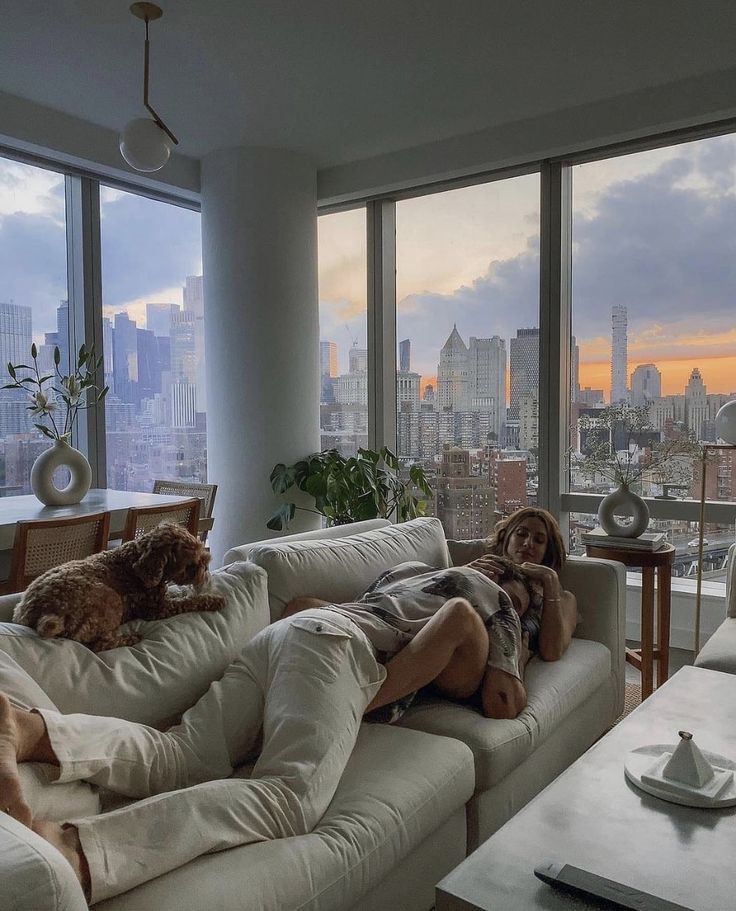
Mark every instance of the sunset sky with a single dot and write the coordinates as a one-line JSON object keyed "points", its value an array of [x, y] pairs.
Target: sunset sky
{"points": [[653, 231]]}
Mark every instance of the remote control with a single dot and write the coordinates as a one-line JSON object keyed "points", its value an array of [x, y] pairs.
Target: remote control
{"points": [[580, 882]]}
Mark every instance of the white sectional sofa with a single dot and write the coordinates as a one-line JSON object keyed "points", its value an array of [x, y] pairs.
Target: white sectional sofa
{"points": [[415, 797]]}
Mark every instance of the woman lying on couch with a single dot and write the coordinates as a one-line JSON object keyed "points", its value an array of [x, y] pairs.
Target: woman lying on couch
{"points": [[304, 682]]}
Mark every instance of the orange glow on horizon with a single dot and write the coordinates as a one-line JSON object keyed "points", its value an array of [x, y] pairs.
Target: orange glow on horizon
{"points": [[719, 374]]}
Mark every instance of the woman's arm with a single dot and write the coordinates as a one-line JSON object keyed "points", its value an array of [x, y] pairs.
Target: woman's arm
{"points": [[559, 613]]}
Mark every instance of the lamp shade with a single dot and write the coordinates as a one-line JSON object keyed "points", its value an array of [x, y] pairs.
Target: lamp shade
{"points": [[726, 423], [144, 145]]}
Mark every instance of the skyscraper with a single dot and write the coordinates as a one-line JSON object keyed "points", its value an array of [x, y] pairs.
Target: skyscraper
{"points": [[486, 390], [159, 317], [193, 301], [696, 403], [524, 367], [646, 384], [327, 371], [125, 358], [15, 334], [405, 356], [619, 354], [452, 374]]}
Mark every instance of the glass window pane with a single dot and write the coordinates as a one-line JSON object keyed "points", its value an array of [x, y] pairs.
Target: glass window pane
{"points": [[654, 275], [153, 333], [468, 360], [343, 352], [33, 308]]}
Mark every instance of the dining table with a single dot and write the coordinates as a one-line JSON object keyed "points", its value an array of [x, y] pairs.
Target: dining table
{"points": [[116, 502]]}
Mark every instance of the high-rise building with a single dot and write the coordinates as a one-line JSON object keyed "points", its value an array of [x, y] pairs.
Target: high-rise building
{"points": [[193, 300], [125, 358], [327, 371], [149, 373], [465, 501], [486, 389], [358, 360], [646, 384], [159, 317], [452, 374], [619, 354], [696, 403], [524, 368], [405, 356], [15, 334], [407, 391]]}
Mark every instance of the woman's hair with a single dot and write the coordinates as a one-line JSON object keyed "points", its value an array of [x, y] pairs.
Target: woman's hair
{"points": [[554, 555]]}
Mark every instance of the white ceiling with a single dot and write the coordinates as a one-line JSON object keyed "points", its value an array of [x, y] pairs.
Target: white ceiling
{"points": [[348, 79]]}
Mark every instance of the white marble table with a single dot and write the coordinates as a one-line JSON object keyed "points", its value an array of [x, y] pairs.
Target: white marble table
{"points": [[117, 502], [593, 818]]}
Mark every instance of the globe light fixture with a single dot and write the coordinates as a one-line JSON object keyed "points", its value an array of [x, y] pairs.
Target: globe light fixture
{"points": [[146, 143], [726, 423]]}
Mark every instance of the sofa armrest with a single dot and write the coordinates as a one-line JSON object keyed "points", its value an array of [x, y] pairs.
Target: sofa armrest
{"points": [[7, 606], [600, 589], [33, 874]]}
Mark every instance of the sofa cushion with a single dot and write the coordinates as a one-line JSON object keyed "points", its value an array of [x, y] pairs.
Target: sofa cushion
{"points": [[340, 569], [397, 788], [57, 802], [719, 652], [33, 875], [554, 690], [160, 677]]}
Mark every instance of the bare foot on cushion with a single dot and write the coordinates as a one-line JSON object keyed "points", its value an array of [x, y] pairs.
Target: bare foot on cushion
{"points": [[66, 841], [11, 793]]}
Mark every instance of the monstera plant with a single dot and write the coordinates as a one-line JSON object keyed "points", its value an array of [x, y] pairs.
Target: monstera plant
{"points": [[364, 486]]}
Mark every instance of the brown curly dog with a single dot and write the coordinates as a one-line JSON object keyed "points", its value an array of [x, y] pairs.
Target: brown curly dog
{"points": [[88, 600]]}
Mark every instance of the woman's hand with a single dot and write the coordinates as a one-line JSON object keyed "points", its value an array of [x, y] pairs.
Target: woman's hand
{"points": [[551, 587], [489, 566]]}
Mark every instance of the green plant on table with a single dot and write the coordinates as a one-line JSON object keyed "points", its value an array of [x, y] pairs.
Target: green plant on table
{"points": [[45, 391], [364, 486]]}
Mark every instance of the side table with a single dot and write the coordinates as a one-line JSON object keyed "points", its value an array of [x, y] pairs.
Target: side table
{"points": [[661, 560]]}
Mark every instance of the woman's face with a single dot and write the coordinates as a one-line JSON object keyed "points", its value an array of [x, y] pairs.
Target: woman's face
{"points": [[527, 543]]}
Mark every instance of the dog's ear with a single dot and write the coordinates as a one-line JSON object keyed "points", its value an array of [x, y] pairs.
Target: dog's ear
{"points": [[153, 558]]}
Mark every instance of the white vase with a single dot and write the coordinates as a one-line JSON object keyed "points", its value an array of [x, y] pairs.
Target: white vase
{"points": [[628, 502], [42, 475]]}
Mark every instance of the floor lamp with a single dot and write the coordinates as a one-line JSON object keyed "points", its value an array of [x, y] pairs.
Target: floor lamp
{"points": [[725, 430]]}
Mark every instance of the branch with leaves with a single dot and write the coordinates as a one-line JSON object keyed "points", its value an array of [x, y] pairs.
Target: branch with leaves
{"points": [[72, 389], [626, 465], [365, 486]]}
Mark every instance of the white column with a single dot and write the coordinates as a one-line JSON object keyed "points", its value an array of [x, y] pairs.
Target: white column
{"points": [[259, 245]]}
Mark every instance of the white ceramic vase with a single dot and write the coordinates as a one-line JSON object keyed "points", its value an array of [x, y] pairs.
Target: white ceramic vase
{"points": [[42, 475], [625, 501]]}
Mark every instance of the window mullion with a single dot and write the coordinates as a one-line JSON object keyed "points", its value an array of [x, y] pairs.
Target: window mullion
{"points": [[381, 246], [85, 307], [554, 332]]}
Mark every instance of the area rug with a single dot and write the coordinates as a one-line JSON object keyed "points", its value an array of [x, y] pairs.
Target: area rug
{"points": [[632, 698]]}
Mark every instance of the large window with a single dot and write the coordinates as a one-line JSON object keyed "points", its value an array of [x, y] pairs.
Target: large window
{"points": [[468, 348], [153, 338], [343, 352], [33, 305], [653, 278]]}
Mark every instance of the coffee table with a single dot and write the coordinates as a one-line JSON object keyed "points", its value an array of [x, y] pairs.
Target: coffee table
{"points": [[593, 818]]}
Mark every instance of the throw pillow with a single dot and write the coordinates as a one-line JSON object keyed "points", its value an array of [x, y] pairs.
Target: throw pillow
{"points": [[164, 674]]}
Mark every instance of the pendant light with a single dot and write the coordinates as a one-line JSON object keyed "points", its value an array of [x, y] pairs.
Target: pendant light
{"points": [[146, 142]]}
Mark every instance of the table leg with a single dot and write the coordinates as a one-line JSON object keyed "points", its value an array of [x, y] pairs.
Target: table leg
{"points": [[664, 590], [647, 631]]}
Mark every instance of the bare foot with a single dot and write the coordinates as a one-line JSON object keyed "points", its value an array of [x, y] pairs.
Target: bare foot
{"points": [[11, 793], [66, 841]]}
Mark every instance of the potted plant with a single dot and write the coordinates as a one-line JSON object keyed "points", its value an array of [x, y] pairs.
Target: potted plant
{"points": [[63, 395], [625, 464], [364, 486]]}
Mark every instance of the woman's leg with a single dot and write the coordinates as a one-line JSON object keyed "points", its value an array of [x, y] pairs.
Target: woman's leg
{"points": [[320, 675], [451, 650]]}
